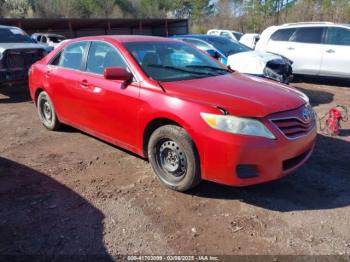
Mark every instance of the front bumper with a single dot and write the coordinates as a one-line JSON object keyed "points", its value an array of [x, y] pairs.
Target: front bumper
{"points": [[225, 153], [13, 75], [15, 63]]}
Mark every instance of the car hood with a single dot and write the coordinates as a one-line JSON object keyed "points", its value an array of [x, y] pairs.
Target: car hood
{"points": [[251, 62], [239, 94], [261, 55], [7, 46]]}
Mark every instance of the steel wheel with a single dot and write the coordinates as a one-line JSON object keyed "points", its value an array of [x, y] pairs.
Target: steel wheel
{"points": [[174, 158], [171, 159], [46, 112]]}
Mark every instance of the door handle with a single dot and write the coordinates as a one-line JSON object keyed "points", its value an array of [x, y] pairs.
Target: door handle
{"points": [[290, 48], [330, 51], [84, 84]]}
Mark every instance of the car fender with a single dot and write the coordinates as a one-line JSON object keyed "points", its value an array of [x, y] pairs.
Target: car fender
{"points": [[181, 111]]}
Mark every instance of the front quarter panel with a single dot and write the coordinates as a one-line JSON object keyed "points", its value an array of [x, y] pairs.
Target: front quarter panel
{"points": [[186, 113]]}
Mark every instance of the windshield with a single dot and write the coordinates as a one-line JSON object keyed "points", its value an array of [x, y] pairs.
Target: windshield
{"points": [[228, 46], [173, 61], [14, 35]]}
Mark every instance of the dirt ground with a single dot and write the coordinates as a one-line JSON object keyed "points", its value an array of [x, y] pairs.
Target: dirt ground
{"points": [[68, 193]]}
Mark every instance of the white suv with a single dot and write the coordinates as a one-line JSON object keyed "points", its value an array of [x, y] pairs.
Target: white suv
{"points": [[316, 48], [234, 35]]}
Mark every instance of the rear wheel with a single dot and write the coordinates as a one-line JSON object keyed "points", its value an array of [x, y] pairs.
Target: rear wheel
{"points": [[174, 158], [46, 112]]}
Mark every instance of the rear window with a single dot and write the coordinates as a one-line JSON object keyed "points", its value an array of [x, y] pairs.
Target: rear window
{"points": [[225, 34], [311, 35], [338, 36], [283, 34]]}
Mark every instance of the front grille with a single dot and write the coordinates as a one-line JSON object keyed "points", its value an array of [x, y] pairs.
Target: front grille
{"points": [[22, 58], [292, 127], [293, 124]]}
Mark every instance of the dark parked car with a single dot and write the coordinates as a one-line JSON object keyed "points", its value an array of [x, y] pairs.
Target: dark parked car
{"points": [[17, 53]]}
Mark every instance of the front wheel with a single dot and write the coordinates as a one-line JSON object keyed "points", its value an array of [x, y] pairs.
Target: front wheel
{"points": [[174, 158], [46, 112]]}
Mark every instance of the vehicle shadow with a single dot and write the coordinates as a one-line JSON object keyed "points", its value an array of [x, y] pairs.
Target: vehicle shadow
{"points": [[322, 80], [344, 132], [322, 183], [316, 97], [40, 216], [14, 94]]}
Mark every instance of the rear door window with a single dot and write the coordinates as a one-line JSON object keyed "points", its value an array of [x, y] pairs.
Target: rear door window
{"points": [[72, 56], [283, 34], [310, 35], [338, 36]]}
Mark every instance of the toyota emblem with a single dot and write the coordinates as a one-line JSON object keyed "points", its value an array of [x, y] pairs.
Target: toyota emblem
{"points": [[307, 114]]}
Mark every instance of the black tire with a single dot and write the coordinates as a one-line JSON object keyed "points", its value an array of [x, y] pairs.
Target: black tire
{"points": [[174, 158], [46, 112]]}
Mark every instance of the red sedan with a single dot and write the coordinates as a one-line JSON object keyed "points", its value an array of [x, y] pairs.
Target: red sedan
{"points": [[164, 100]]}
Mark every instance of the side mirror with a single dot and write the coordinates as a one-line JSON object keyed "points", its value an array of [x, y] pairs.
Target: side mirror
{"points": [[117, 73], [213, 53]]}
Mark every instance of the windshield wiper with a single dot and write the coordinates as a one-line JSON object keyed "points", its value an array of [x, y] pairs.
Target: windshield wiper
{"points": [[180, 69], [209, 67]]}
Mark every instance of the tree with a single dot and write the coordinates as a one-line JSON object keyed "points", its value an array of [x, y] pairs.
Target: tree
{"points": [[15, 8]]}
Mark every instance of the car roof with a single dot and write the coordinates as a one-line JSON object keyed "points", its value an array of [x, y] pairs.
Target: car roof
{"points": [[6, 26], [311, 24], [226, 30], [191, 36], [198, 36], [48, 34], [205, 37], [125, 38]]}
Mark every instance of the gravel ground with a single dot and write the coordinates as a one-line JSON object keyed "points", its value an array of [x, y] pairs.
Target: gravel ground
{"points": [[69, 193]]}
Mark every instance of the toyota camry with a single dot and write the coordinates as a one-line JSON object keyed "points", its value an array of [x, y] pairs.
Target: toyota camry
{"points": [[190, 116]]}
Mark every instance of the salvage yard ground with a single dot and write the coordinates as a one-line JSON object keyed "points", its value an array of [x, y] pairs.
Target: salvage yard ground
{"points": [[69, 193]]}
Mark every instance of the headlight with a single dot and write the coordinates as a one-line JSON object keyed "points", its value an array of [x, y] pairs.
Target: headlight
{"points": [[237, 125]]}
